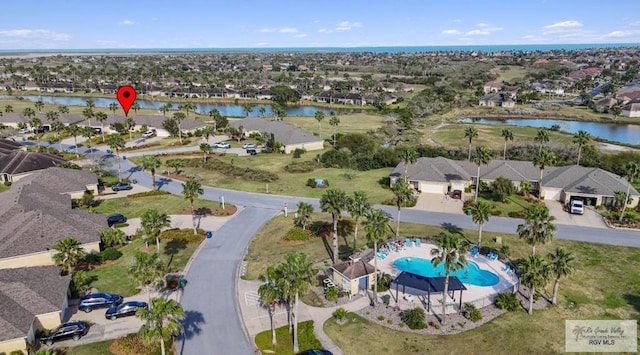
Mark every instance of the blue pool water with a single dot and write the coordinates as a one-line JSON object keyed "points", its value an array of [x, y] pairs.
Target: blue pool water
{"points": [[472, 274]]}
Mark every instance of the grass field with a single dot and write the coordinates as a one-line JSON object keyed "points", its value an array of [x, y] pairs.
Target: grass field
{"points": [[351, 123], [91, 349], [509, 73], [306, 340], [602, 287], [135, 207]]}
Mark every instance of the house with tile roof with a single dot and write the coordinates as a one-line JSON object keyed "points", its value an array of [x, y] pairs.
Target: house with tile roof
{"points": [[290, 136]]}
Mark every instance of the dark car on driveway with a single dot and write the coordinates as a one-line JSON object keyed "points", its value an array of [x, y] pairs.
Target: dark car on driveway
{"points": [[316, 352], [115, 219], [99, 300], [124, 310], [456, 194], [72, 330], [121, 186]]}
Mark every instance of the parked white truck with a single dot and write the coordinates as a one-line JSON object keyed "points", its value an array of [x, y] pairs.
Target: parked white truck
{"points": [[576, 207]]}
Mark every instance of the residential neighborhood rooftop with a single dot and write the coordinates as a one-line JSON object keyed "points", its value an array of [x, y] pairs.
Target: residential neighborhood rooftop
{"points": [[285, 133]]}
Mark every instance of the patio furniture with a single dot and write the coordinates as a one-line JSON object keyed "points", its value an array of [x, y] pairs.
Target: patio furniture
{"points": [[381, 256], [408, 242], [418, 242]]}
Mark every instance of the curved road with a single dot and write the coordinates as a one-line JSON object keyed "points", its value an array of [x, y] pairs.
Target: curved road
{"points": [[213, 324]]}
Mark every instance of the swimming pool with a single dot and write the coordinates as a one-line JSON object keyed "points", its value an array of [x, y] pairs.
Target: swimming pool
{"points": [[472, 274]]}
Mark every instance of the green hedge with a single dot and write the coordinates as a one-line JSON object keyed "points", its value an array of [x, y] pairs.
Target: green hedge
{"points": [[297, 233], [148, 193], [301, 167], [182, 235]]}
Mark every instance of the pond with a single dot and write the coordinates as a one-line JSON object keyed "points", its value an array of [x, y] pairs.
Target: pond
{"points": [[623, 133]]}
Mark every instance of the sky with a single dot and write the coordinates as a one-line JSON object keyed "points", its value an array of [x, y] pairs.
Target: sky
{"points": [[73, 24]]}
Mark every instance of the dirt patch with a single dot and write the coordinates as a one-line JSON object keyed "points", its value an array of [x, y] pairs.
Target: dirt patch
{"points": [[292, 242]]}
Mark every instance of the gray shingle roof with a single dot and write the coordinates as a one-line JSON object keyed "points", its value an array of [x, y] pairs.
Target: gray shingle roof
{"points": [[155, 121], [7, 146], [433, 169], [27, 292], [354, 269], [514, 170], [59, 180], [18, 162], [584, 180], [284, 133]]}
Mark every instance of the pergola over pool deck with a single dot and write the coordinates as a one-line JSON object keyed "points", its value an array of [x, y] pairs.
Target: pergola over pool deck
{"points": [[428, 284]]}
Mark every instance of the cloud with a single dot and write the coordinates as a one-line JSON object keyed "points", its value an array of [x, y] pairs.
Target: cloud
{"points": [[324, 30], [636, 23], [36, 34], [262, 44], [347, 25], [280, 30], [563, 26], [267, 30], [477, 33], [482, 24], [288, 30], [127, 22], [450, 32], [457, 20], [300, 35], [618, 34]]}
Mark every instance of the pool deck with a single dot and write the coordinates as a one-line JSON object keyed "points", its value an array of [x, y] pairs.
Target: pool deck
{"points": [[479, 295]]}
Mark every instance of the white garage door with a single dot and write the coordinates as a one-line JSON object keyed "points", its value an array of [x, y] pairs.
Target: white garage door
{"points": [[433, 188], [457, 186], [552, 193]]}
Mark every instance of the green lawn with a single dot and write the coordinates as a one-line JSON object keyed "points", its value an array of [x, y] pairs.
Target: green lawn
{"points": [[515, 203], [510, 73], [306, 340], [91, 349], [4, 187], [135, 207], [114, 277], [349, 123]]}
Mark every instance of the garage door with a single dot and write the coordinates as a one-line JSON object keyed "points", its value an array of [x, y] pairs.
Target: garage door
{"points": [[551, 193], [457, 186], [433, 188]]}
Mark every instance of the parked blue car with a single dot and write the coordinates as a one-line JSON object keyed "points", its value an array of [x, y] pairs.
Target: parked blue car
{"points": [[99, 300], [124, 310], [121, 186]]}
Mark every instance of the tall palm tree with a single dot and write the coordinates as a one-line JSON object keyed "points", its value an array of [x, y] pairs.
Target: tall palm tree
{"points": [[148, 270], [543, 159], [303, 214], [74, 130], [113, 107], [135, 107], [247, 108], [334, 201], [535, 272], [319, 116], [376, 225], [165, 108], [88, 133], [582, 139], [262, 110], [403, 195], [191, 190], [116, 142], [68, 252], [57, 126], [208, 131], [480, 214], [28, 112], [300, 273], [542, 137], [561, 265], [507, 134], [450, 249], [39, 105], [188, 106], [205, 148], [471, 133], [334, 121], [408, 155], [270, 295], [129, 125], [52, 115], [8, 109], [482, 156], [358, 206], [538, 226], [89, 103], [152, 223], [63, 109], [178, 117], [101, 117], [632, 173], [88, 113], [161, 320], [151, 163]]}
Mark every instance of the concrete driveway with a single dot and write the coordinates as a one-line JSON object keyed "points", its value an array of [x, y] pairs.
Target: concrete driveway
{"points": [[590, 218], [439, 203]]}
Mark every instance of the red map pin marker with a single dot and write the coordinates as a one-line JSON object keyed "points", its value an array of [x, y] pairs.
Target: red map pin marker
{"points": [[126, 96]]}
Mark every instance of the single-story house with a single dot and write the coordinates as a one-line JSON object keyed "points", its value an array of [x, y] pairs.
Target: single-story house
{"points": [[152, 122], [31, 298], [632, 108], [290, 136], [441, 175], [18, 164], [354, 275], [8, 145], [497, 99]]}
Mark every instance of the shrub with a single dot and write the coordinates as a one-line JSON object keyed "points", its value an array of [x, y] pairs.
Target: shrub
{"points": [[414, 318], [389, 321], [92, 258], [147, 194], [516, 214], [7, 183], [505, 251], [135, 344], [331, 293], [384, 282], [184, 235], [301, 167], [16, 352], [508, 301], [297, 233], [110, 254], [474, 313], [380, 318], [298, 152], [340, 313]]}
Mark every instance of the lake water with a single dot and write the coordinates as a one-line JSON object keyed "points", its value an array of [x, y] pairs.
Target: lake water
{"points": [[623, 133], [225, 110]]}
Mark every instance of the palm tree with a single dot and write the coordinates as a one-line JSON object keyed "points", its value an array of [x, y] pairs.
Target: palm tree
{"points": [[152, 222], [408, 155], [113, 107], [262, 110], [112, 236], [358, 206], [88, 113], [191, 190], [58, 127], [88, 133], [151, 163], [561, 265], [298, 273], [35, 122], [403, 195], [632, 173], [161, 320], [8, 108], [63, 109], [471, 133], [135, 107], [129, 125], [187, 107], [101, 117], [148, 270], [89, 103], [247, 108], [205, 148], [178, 117], [51, 115], [507, 134], [208, 131], [376, 225], [581, 138], [166, 107], [28, 112], [538, 226], [481, 157], [303, 214], [334, 121], [270, 294], [74, 130], [116, 142], [334, 201], [535, 272], [39, 105], [543, 159], [319, 116], [542, 137], [480, 213], [68, 252], [450, 249]]}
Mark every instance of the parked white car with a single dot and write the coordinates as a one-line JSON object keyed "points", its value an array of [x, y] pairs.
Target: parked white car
{"points": [[148, 134], [576, 207], [223, 145], [249, 146]]}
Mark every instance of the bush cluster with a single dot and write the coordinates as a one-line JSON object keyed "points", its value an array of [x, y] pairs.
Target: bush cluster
{"points": [[182, 235], [134, 344], [147, 194], [474, 313], [331, 293], [231, 170], [508, 301], [110, 254], [301, 167], [414, 318], [297, 233]]}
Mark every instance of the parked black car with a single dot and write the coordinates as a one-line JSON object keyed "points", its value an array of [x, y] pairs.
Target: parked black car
{"points": [[72, 330], [115, 219], [121, 186], [124, 310], [98, 300], [316, 352]]}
